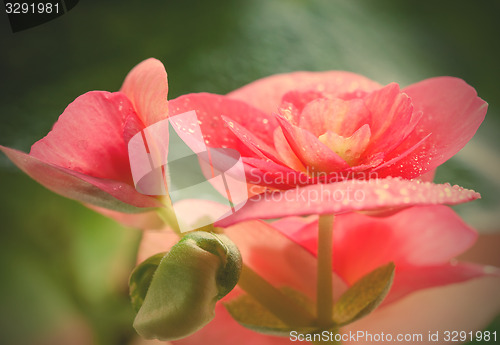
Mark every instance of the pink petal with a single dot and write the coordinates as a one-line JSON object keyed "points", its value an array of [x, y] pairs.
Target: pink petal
{"points": [[409, 280], [428, 176], [416, 236], [88, 137], [348, 196], [467, 307], [349, 148], [299, 99], [115, 195], [311, 152], [209, 110], [258, 146], [156, 241], [362, 243], [266, 94], [387, 105], [270, 174], [335, 115], [301, 230], [146, 86], [452, 112], [388, 164], [285, 152], [419, 240], [391, 115]]}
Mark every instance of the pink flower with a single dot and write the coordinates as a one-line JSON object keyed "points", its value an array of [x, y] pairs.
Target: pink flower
{"points": [[85, 156], [297, 129], [431, 290], [320, 130], [340, 122]]}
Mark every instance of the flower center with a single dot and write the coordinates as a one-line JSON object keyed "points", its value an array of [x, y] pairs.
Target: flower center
{"points": [[349, 148]]}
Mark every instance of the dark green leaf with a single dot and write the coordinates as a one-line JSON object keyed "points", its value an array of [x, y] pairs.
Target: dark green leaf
{"points": [[364, 296]]}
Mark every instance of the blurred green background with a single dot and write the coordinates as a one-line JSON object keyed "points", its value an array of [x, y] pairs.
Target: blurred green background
{"points": [[63, 268]]}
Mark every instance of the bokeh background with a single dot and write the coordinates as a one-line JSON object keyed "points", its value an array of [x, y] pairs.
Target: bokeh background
{"points": [[64, 268]]}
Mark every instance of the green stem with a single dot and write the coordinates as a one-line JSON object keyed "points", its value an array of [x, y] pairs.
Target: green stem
{"points": [[167, 214], [283, 307], [324, 287]]}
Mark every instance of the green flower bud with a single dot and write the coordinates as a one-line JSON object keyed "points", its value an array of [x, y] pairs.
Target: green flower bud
{"points": [[175, 296]]}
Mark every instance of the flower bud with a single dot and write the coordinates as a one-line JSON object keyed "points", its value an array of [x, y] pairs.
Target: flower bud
{"points": [[175, 295]]}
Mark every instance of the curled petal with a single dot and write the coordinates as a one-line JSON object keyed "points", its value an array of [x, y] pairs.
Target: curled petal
{"points": [[391, 118], [285, 152], [336, 115], [348, 196], [258, 146], [350, 148], [146, 86], [310, 150]]}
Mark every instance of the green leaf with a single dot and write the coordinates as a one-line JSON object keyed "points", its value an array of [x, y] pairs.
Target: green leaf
{"points": [[178, 297], [251, 314], [364, 296]]}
